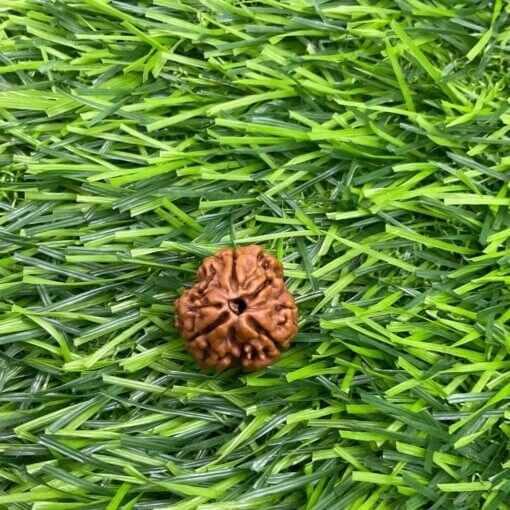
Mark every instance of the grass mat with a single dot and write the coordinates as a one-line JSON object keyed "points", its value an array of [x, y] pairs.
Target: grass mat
{"points": [[365, 144]]}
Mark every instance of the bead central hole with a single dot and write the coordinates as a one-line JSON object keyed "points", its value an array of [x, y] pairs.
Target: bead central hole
{"points": [[238, 306]]}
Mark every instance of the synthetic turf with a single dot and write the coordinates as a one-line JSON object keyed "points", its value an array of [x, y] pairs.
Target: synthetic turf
{"points": [[364, 144]]}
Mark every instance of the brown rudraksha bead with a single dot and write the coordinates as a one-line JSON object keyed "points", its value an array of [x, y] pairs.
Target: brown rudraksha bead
{"points": [[238, 311]]}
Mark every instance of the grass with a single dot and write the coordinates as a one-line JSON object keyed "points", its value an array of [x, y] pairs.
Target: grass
{"points": [[363, 143]]}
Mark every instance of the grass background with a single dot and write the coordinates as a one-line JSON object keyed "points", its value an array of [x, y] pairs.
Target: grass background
{"points": [[363, 143]]}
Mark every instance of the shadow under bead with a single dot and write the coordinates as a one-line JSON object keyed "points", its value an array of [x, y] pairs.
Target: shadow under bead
{"points": [[239, 311]]}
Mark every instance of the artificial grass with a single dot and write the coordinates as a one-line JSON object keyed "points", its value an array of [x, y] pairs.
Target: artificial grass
{"points": [[364, 144]]}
